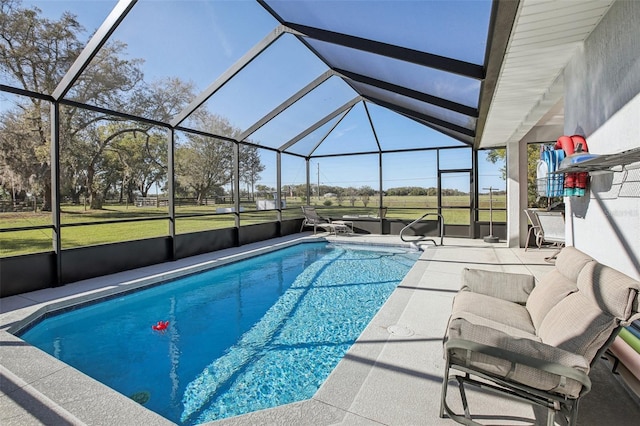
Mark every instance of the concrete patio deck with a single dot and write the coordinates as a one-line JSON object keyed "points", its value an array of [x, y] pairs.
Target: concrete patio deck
{"points": [[391, 376]]}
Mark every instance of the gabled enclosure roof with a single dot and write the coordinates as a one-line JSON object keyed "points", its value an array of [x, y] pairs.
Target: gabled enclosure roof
{"points": [[394, 55], [293, 76]]}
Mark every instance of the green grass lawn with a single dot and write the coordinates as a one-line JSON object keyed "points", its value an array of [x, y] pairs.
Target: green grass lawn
{"points": [[40, 240]]}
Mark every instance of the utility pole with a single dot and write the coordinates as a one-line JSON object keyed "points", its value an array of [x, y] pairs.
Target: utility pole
{"points": [[318, 181]]}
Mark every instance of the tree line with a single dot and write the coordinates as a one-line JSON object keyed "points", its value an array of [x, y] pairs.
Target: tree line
{"points": [[340, 192], [418, 190], [102, 155]]}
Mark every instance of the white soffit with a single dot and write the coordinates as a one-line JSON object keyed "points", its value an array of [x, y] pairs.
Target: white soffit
{"points": [[545, 36]]}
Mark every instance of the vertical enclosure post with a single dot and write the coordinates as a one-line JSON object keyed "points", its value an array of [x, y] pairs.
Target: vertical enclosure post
{"points": [[171, 196], [55, 192], [236, 182], [279, 185], [308, 181]]}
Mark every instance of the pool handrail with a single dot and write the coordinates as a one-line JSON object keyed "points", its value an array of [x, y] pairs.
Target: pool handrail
{"points": [[424, 237]]}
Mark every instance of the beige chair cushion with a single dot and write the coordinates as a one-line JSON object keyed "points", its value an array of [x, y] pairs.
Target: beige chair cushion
{"points": [[462, 329], [570, 262], [507, 286], [610, 290], [576, 325], [552, 288], [495, 325], [500, 312]]}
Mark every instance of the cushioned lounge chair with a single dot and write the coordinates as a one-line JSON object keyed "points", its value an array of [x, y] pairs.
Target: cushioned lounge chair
{"points": [[312, 218], [536, 342]]}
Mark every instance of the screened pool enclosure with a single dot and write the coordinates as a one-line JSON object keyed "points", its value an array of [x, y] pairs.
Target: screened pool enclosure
{"points": [[136, 132]]}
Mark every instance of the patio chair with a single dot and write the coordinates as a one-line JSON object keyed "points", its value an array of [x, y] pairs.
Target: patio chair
{"points": [[535, 229], [552, 227], [312, 218], [536, 342]]}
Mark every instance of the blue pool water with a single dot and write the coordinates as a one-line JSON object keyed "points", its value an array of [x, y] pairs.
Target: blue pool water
{"points": [[255, 334]]}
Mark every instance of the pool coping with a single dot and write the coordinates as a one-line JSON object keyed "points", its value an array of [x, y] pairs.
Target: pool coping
{"points": [[54, 390]]}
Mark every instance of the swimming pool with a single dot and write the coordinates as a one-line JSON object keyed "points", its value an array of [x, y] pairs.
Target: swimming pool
{"points": [[249, 335]]}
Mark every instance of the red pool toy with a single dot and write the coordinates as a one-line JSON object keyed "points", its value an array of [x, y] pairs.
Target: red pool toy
{"points": [[160, 326]]}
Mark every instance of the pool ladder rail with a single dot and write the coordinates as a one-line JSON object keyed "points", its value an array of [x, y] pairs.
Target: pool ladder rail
{"points": [[424, 238]]}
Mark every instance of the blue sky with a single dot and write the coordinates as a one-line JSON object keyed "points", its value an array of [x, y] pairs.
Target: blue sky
{"points": [[198, 40]]}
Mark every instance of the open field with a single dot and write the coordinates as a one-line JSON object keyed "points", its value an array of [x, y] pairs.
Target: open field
{"points": [[149, 222]]}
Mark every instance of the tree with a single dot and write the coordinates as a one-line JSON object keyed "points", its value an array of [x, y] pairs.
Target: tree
{"points": [[265, 191], [533, 155], [34, 54], [367, 190], [499, 155], [416, 191], [35, 51], [96, 139], [202, 164], [94, 133], [205, 164], [23, 156], [250, 166], [352, 196], [162, 99], [137, 161]]}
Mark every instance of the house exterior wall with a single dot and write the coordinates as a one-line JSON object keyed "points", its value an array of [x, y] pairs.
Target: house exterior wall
{"points": [[602, 102]]}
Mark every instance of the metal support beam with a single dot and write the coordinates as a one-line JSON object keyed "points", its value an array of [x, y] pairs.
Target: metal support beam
{"points": [[55, 192], [326, 135], [421, 116], [98, 40], [119, 114], [439, 193], [228, 74], [308, 182], [279, 185], [23, 92], [373, 128], [321, 122], [455, 66], [410, 93], [387, 151], [286, 104], [236, 183], [380, 195], [475, 196], [171, 196]]}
